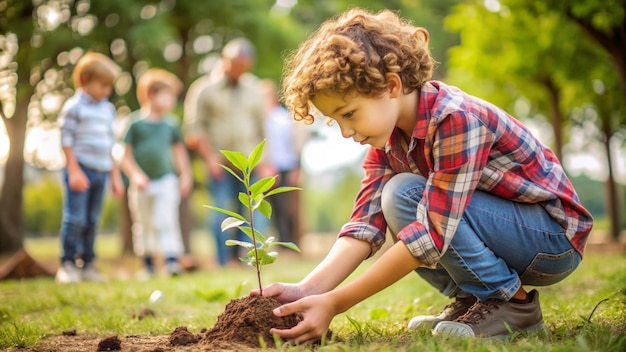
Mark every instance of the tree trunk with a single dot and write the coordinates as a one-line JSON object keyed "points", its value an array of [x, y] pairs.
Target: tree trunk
{"points": [[125, 224], [11, 219], [556, 117], [612, 205]]}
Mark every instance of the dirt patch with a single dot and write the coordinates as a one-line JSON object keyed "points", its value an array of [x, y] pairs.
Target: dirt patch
{"points": [[241, 327]]}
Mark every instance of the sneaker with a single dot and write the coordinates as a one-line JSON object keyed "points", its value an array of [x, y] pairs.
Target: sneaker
{"points": [[91, 273], [496, 319], [173, 267], [449, 313], [68, 273]]}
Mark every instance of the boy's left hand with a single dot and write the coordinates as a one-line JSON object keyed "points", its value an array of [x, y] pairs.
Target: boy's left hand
{"points": [[317, 311], [186, 185]]}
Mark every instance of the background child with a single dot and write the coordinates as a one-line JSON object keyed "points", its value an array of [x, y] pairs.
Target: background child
{"points": [[87, 140], [477, 205], [158, 168]]}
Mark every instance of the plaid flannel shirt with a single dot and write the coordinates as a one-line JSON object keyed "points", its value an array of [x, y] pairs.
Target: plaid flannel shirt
{"points": [[461, 143]]}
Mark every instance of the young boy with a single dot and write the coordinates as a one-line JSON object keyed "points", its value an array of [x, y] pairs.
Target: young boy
{"points": [[477, 205], [87, 140], [158, 169]]}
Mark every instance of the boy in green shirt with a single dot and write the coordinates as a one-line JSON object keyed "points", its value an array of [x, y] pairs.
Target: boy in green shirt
{"points": [[159, 171]]}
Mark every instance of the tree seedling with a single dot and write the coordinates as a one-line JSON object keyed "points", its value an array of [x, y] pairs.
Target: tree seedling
{"points": [[259, 253]]}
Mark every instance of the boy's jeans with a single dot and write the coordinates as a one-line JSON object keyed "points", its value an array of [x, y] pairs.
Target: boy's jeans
{"points": [[81, 213], [498, 246], [224, 193]]}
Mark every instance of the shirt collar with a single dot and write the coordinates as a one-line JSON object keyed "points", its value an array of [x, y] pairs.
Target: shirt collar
{"points": [[426, 98]]}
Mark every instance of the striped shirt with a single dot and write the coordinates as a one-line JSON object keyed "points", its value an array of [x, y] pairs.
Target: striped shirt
{"points": [[461, 143], [87, 127]]}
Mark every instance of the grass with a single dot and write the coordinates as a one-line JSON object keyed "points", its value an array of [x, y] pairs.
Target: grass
{"points": [[585, 312]]}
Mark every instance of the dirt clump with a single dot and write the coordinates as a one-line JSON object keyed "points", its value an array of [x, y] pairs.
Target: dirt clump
{"points": [[246, 321], [182, 337], [111, 343]]}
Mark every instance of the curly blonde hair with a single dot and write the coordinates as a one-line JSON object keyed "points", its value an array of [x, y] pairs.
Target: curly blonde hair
{"points": [[353, 53]]}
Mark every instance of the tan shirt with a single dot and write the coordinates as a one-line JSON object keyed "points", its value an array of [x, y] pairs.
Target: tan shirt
{"points": [[230, 117]]}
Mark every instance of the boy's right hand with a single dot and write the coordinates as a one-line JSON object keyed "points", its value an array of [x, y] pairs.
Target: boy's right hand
{"points": [[284, 293], [140, 180], [78, 181]]}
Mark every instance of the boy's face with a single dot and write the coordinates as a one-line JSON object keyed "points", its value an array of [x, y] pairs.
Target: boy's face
{"points": [[98, 89], [163, 100], [367, 120]]}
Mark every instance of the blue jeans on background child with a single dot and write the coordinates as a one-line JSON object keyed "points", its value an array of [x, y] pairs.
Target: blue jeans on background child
{"points": [[499, 244], [224, 194], [81, 214]]}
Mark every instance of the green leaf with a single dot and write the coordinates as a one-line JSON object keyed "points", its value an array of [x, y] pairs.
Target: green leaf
{"points": [[244, 199], [265, 208], [264, 256], [237, 159], [255, 156], [261, 186], [260, 238], [232, 172], [289, 245], [227, 212], [232, 243], [282, 190], [231, 222]]}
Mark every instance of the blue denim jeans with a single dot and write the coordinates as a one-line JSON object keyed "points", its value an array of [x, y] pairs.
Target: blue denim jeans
{"points": [[498, 246], [224, 193], [81, 214]]}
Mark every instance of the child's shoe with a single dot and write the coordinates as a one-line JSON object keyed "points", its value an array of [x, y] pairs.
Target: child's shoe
{"points": [[68, 273], [449, 313], [496, 319], [91, 273], [173, 267]]}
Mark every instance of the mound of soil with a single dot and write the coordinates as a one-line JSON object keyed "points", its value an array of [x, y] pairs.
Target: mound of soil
{"points": [[246, 321]]}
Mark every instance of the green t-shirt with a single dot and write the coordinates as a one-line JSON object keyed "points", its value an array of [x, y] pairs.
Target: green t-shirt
{"points": [[152, 143]]}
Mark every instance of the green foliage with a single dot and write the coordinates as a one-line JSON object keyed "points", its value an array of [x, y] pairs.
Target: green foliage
{"points": [[43, 207], [259, 253]]}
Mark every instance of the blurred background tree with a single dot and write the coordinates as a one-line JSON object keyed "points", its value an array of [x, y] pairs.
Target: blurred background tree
{"points": [[560, 59]]}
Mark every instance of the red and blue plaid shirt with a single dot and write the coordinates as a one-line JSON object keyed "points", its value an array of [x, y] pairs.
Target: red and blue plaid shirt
{"points": [[461, 143]]}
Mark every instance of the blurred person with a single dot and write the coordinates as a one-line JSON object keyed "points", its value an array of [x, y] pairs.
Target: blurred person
{"points": [[476, 205], [285, 140], [156, 163], [224, 111], [87, 139]]}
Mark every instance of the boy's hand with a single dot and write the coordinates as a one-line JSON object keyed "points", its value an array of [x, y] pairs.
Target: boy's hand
{"points": [[284, 293], [78, 181], [215, 170], [140, 180], [117, 185], [186, 185], [317, 312]]}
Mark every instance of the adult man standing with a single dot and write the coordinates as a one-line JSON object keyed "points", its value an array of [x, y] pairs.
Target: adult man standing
{"points": [[224, 111]]}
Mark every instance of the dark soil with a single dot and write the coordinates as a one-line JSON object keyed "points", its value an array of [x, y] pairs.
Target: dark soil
{"points": [[240, 328], [246, 321], [112, 343]]}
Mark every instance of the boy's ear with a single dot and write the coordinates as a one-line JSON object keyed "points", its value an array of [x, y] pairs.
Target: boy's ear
{"points": [[394, 83]]}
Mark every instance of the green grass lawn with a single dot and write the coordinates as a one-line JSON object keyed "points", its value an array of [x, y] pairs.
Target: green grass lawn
{"points": [[33, 310]]}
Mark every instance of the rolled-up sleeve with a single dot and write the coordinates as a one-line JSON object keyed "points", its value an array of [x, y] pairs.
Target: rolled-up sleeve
{"points": [[367, 222]]}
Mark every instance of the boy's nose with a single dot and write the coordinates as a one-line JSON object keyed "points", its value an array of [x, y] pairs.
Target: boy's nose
{"points": [[346, 131]]}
